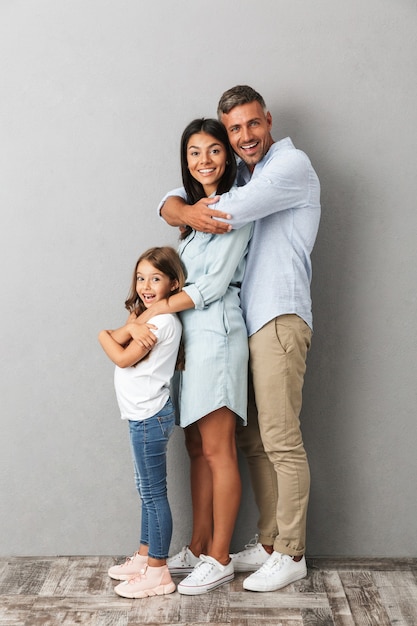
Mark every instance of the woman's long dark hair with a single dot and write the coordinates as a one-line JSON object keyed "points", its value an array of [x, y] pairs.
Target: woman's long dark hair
{"points": [[193, 188]]}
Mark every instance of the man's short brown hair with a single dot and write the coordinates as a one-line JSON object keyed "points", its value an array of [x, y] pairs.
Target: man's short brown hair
{"points": [[236, 96]]}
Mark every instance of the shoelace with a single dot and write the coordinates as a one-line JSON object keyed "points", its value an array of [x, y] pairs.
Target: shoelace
{"points": [[202, 569], [129, 559], [275, 560], [136, 579], [253, 542], [183, 555]]}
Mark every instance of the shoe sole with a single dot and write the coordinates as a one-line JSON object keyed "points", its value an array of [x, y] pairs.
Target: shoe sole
{"points": [[288, 581], [148, 593], [123, 576], [178, 571], [247, 567], [198, 590]]}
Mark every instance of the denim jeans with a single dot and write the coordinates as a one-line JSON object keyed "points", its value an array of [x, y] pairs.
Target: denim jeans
{"points": [[149, 440]]}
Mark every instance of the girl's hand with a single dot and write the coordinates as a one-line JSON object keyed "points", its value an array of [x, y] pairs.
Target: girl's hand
{"points": [[142, 334]]}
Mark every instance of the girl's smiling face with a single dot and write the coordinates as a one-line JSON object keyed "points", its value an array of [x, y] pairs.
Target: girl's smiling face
{"points": [[151, 284], [206, 160]]}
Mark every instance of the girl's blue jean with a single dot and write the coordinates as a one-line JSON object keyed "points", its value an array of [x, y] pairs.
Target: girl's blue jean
{"points": [[149, 440]]}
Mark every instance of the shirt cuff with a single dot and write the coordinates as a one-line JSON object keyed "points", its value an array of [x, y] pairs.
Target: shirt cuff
{"points": [[195, 295]]}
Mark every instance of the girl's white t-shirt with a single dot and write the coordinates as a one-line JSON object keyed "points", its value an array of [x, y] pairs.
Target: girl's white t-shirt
{"points": [[143, 389]]}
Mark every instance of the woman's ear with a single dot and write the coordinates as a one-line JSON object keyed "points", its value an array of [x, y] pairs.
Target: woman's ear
{"points": [[174, 285]]}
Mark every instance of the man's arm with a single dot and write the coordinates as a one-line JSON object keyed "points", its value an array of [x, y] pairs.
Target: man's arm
{"points": [[286, 181], [200, 216]]}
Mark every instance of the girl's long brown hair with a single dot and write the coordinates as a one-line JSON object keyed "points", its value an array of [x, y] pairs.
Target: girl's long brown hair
{"points": [[167, 261]]}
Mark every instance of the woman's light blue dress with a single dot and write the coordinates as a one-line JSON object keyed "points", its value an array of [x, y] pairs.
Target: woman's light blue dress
{"points": [[214, 332]]}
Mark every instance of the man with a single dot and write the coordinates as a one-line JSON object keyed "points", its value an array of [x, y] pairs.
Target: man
{"points": [[278, 188]]}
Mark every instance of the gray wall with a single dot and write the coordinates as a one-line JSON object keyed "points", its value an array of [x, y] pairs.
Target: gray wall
{"points": [[94, 98]]}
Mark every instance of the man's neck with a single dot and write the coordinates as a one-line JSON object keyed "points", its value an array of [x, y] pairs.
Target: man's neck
{"points": [[251, 167]]}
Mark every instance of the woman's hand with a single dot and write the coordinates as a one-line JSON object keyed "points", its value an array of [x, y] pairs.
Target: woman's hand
{"points": [[146, 315], [132, 317]]}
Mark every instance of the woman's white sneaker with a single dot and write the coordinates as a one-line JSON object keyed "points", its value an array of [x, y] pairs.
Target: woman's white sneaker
{"points": [[278, 571], [183, 562], [251, 558], [206, 576]]}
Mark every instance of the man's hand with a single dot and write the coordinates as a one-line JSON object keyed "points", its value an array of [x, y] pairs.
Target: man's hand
{"points": [[199, 215]]}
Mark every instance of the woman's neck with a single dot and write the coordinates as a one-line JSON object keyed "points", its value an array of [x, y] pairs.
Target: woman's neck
{"points": [[210, 190]]}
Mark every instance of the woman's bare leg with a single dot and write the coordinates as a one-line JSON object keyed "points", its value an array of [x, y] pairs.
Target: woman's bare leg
{"points": [[217, 432], [201, 493]]}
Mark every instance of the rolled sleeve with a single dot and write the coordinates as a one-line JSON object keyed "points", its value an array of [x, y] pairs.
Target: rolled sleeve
{"points": [[195, 296], [180, 192]]}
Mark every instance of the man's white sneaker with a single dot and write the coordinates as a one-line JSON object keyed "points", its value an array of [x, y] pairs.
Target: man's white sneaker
{"points": [[207, 575], [183, 562], [279, 571], [251, 558]]}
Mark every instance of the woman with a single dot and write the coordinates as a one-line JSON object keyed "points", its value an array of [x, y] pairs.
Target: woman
{"points": [[212, 390]]}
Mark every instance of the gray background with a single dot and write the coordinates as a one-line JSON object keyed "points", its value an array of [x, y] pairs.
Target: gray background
{"points": [[95, 95]]}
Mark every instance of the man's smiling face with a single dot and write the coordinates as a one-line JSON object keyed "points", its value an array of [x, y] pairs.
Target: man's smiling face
{"points": [[249, 130]]}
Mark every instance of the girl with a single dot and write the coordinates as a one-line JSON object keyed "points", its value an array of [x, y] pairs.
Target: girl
{"points": [[213, 386], [142, 378]]}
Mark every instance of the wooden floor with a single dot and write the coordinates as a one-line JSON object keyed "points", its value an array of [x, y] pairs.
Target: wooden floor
{"points": [[76, 590]]}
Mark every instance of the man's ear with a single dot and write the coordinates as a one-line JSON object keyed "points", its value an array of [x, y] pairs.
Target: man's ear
{"points": [[269, 120]]}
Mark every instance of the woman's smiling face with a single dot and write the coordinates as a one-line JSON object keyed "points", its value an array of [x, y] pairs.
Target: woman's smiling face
{"points": [[206, 160]]}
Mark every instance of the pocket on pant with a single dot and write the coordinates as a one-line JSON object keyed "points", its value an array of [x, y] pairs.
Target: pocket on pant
{"points": [[295, 334], [284, 335], [167, 424]]}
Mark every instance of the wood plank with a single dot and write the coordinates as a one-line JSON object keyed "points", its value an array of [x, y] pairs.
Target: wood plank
{"points": [[87, 576], [283, 617], [398, 593], [56, 571], [14, 610], [60, 618], [3, 566], [313, 583], [207, 608], [82, 603], [351, 564], [25, 576], [156, 610], [111, 618], [317, 617], [283, 598], [364, 601], [336, 596]]}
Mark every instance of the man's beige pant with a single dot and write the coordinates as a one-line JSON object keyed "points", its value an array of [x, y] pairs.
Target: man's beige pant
{"points": [[272, 440]]}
